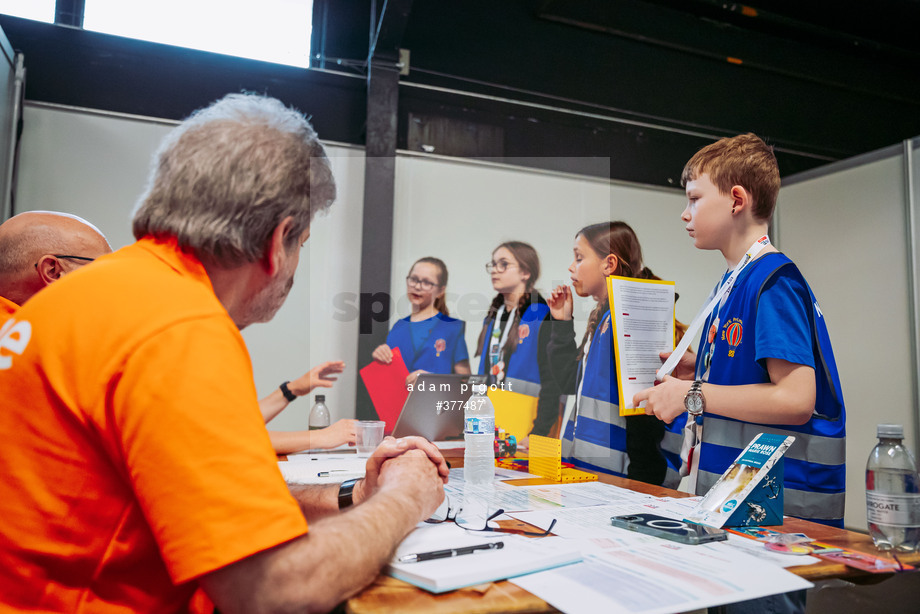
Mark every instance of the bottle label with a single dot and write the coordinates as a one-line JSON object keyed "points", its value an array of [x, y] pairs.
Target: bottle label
{"points": [[480, 425], [894, 510]]}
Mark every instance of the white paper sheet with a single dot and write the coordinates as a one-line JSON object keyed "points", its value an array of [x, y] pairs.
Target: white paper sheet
{"points": [[326, 469], [588, 522], [578, 522], [643, 317], [527, 498], [457, 444], [314, 458], [657, 577], [511, 474]]}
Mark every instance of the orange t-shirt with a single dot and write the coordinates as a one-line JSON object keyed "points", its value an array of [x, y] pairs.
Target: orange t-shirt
{"points": [[7, 309], [135, 457]]}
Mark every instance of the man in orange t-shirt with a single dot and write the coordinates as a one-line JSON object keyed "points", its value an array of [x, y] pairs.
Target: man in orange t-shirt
{"points": [[37, 248], [141, 469]]}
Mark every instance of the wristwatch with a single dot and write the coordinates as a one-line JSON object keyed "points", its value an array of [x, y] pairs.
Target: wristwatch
{"points": [[345, 492], [290, 396], [694, 400]]}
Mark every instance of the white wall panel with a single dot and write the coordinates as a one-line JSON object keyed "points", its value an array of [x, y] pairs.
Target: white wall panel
{"points": [[90, 165], [845, 230]]}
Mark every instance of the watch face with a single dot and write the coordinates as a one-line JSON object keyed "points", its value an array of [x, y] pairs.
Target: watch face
{"points": [[694, 402]]}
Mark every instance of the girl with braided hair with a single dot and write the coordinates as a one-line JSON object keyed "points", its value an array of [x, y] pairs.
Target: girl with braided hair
{"points": [[513, 342]]}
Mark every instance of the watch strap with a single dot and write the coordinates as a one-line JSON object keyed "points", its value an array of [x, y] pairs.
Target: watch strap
{"points": [[345, 493], [290, 396]]}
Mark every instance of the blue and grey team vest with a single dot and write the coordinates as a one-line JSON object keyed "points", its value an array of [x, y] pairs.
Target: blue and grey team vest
{"points": [[437, 353], [523, 369], [815, 465], [516, 404], [596, 438]]}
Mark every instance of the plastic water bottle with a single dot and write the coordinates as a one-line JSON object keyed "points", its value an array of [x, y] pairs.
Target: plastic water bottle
{"points": [[892, 492], [319, 415], [479, 437]]}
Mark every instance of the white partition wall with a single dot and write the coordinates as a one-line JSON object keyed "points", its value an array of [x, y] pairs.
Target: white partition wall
{"points": [[846, 227], [92, 165]]}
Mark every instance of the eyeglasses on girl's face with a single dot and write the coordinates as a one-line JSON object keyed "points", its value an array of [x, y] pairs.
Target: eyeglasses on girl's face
{"points": [[418, 282], [499, 267]]}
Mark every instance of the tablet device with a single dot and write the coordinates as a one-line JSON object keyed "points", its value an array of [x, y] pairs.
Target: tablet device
{"points": [[434, 408]]}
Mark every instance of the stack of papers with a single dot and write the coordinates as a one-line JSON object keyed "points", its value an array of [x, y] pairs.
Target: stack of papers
{"points": [[654, 576]]}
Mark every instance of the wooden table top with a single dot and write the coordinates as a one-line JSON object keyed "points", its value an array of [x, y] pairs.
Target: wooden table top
{"points": [[388, 594]]}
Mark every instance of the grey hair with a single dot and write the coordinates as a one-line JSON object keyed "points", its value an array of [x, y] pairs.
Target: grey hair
{"points": [[225, 178]]}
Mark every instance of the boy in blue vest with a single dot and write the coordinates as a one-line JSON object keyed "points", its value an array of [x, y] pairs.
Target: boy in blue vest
{"points": [[765, 362]]}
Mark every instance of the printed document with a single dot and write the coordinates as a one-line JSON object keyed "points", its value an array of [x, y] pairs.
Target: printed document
{"points": [[657, 577], [642, 315]]}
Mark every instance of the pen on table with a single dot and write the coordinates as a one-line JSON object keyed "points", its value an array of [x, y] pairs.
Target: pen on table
{"points": [[444, 554], [348, 474]]}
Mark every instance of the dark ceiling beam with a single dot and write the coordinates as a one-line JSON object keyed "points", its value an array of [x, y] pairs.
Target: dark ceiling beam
{"points": [[69, 12], [656, 24], [379, 181], [796, 26]]}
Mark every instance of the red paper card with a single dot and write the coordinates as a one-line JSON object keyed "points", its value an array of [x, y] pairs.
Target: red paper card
{"points": [[386, 385]]}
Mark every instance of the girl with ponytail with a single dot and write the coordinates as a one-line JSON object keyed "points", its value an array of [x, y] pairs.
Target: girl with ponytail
{"points": [[513, 343], [429, 340], [597, 437]]}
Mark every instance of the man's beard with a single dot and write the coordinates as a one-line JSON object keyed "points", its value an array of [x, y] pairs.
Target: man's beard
{"points": [[265, 304]]}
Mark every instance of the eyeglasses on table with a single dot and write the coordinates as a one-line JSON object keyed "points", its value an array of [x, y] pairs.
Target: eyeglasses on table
{"points": [[450, 514]]}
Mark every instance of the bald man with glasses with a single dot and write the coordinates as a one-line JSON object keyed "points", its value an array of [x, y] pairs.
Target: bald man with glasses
{"points": [[37, 248]]}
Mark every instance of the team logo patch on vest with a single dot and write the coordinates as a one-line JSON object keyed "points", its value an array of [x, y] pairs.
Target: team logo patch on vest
{"points": [[523, 333], [439, 346], [731, 334], [605, 326]]}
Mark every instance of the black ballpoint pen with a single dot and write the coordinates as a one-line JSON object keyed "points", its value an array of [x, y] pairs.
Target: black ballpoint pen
{"points": [[444, 554]]}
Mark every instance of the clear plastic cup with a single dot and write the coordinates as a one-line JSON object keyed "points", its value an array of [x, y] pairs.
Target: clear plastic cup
{"points": [[368, 435]]}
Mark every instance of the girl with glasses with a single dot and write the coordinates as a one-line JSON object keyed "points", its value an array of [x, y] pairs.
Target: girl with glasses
{"points": [[513, 345], [429, 340], [597, 437]]}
